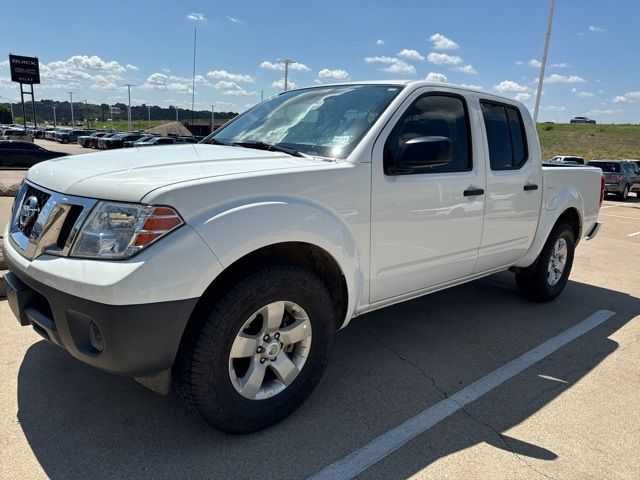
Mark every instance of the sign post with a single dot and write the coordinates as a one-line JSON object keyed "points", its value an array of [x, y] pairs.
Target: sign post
{"points": [[25, 70]]}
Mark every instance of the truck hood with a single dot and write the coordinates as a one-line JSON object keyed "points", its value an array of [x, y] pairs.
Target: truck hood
{"points": [[128, 175]]}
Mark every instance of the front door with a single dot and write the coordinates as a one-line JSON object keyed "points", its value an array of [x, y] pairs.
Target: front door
{"points": [[426, 225]]}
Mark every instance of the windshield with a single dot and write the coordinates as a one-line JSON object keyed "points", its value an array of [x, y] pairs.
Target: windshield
{"points": [[322, 121]]}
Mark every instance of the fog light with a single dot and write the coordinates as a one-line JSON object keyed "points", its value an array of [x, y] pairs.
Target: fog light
{"points": [[95, 337]]}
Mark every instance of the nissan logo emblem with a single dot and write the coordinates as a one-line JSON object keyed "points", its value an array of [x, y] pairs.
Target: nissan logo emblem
{"points": [[28, 211]]}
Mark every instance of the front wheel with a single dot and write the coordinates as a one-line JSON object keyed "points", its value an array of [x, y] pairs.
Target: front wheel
{"points": [[250, 358], [553, 266]]}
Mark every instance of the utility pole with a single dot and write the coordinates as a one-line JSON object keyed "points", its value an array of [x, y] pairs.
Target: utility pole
{"points": [[71, 101], [544, 61], [129, 108], [213, 121], [55, 123], [286, 72], [176, 113], [262, 95], [86, 116], [148, 116], [193, 76]]}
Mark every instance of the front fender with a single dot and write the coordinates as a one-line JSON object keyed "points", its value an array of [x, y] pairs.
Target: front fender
{"points": [[234, 231], [555, 203]]}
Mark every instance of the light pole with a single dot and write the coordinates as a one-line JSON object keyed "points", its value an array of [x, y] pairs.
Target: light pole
{"points": [[148, 117], [71, 101], [286, 72], [176, 113], [193, 76], [544, 61], [213, 119], [86, 117], [129, 108], [55, 123]]}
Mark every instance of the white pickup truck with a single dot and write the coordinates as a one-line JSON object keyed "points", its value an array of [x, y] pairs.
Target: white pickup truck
{"points": [[225, 268]]}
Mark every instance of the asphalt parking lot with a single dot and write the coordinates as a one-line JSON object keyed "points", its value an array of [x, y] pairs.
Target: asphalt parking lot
{"points": [[69, 148], [572, 414]]}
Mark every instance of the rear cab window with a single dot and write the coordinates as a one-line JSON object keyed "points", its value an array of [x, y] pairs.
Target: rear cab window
{"points": [[506, 135]]}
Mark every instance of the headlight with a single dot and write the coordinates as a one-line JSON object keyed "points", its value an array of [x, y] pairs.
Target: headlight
{"points": [[117, 231]]}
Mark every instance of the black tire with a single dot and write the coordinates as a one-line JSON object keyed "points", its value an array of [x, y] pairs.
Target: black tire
{"points": [[201, 373], [65, 140], [624, 194], [536, 286]]}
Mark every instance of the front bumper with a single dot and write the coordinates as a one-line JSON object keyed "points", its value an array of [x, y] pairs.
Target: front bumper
{"points": [[133, 340]]}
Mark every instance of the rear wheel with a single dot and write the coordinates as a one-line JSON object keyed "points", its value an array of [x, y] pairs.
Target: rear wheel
{"points": [[252, 357], [625, 193], [553, 266]]}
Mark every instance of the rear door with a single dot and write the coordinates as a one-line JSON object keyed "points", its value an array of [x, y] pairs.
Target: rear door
{"points": [[425, 230], [514, 185]]}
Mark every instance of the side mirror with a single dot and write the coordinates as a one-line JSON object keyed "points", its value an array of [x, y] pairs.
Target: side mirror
{"points": [[422, 152]]}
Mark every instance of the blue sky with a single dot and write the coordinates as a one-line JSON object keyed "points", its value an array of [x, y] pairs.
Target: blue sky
{"points": [[594, 61]]}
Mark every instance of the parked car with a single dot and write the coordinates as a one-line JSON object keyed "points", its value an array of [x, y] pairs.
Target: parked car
{"points": [[85, 140], [16, 134], [117, 141], [232, 263], [133, 143], [71, 136], [95, 140], [157, 141], [620, 177], [186, 140], [582, 120], [567, 159], [19, 154]]}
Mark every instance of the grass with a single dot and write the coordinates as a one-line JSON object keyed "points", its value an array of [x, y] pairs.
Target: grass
{"points": [[123, 125], [590, 141]]}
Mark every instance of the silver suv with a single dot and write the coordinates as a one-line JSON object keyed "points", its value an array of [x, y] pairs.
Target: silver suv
{"points": [[582, 120]]}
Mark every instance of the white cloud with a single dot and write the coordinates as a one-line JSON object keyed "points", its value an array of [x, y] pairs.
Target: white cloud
{"points": [[444, 59], [534, 63], [440, 42], [560, 65], [519, 62], [279, 84], [410, 54], [84, 62], [379, 42], [595, 28], [301, 67], [160, 81], [627, 97], [235, 20], [582, 94], [327, 74], [197, 17], [510, 86], [232, 88], [466, 69], [400, 67], [381, 59], [555, 78], [523, 97], [475, 87], [436, 77], [234, 77], [554, 108], [4, 63], [128, 66], [597, 111]]}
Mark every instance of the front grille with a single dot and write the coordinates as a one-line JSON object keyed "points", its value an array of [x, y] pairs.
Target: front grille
{"points": [[43, 198]]}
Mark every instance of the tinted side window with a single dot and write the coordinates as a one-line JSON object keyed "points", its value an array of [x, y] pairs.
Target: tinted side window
{"points": [[434, 115], [505, 135], [498, 136]]}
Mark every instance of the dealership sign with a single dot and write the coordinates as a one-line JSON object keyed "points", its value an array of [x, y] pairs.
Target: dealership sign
{"points": [[24, 69]]}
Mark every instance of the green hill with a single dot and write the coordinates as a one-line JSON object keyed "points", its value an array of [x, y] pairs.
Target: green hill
{"points": [[590, 141]]}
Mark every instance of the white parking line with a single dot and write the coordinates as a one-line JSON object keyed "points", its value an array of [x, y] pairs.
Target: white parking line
{"points": [[633, 234], [618, 216], [387, 443]]}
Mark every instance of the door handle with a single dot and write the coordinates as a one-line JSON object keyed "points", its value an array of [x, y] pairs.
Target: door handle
{"points": [[530, 186], [473, 192]]}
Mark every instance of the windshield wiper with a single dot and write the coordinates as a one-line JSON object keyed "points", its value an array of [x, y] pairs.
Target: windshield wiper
{"points": [[271, 147], [214, 141]]}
